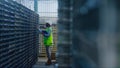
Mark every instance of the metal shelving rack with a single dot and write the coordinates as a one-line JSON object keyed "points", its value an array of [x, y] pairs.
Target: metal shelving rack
{"points": [[18, 35], [63, 54]]}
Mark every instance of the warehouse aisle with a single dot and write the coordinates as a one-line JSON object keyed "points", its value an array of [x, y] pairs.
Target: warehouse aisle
{"points": [[86, 33], [41, 63]]}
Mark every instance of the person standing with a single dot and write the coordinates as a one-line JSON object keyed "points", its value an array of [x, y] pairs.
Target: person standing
{"points": [[48, 41]]}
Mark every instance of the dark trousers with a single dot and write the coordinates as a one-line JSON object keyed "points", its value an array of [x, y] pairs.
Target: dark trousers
{"points": [[48, 52]]}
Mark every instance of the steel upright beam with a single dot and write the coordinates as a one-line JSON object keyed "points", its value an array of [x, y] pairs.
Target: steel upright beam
{"points": [[36, 5], [64, 38]]}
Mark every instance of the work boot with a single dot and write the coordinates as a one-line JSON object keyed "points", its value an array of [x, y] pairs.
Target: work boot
{"points": [[48, 62]]}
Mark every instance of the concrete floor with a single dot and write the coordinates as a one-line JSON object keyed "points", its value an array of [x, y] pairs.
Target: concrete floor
{"points": [[41, 63]]}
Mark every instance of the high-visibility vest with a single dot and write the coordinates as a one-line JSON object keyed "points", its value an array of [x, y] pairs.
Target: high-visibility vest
{"points": [[48, 41]]}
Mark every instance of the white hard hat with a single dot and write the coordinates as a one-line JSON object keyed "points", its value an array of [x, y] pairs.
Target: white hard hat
{"points": [[49, 22]]}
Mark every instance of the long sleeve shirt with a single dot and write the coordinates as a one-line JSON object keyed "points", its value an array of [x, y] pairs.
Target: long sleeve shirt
{"points": [[45, 34]]}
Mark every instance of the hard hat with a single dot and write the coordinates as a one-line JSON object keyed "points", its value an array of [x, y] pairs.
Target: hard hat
{"points": [[49, 22]]}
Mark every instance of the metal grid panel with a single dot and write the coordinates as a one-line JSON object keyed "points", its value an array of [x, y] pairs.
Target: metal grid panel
{"points": [[80, 25], [18, 35], [64, 37], [85, 26]]}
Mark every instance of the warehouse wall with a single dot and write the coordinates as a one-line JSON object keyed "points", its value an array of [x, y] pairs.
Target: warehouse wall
{"points": [[18, 35]]}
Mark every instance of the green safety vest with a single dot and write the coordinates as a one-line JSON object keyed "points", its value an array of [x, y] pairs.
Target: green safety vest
{"points": [[48, 41]]}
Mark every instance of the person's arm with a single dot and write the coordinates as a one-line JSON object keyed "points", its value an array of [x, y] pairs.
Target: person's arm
{"points": [[40, 31], [48, 33]]}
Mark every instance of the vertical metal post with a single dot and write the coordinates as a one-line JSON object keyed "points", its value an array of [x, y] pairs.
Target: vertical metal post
{"points": [[64, 34], [36, 5]]}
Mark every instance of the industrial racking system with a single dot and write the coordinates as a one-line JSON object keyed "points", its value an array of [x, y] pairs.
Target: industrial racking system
{"points": [[18, 35]]}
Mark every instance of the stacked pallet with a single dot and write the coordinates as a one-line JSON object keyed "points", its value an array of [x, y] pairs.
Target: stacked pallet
{"points": [[54, 47], [18, 35]]}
